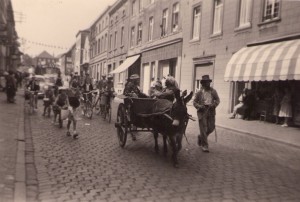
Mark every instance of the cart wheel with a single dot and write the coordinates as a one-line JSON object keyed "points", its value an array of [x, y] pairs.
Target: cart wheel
{"points": [[122, 125]]}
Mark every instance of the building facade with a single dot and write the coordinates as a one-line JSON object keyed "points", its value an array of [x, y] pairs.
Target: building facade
{"points": [[118, 41], [9, 46], [154, 41], [98, 45], [215, 30], [79, 66]]}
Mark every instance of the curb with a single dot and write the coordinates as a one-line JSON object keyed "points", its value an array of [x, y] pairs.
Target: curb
{"points": [[257, 136], [20, 180]]}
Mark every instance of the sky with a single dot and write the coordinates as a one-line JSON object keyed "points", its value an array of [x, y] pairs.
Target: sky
{"points": [[52, 25]]}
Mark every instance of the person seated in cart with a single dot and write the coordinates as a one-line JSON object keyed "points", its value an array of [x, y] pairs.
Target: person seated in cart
{"points": [[132, 88], [169, 92]]}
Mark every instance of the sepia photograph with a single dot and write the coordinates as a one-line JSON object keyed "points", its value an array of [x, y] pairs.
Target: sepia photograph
{"points": [[149, 100]]}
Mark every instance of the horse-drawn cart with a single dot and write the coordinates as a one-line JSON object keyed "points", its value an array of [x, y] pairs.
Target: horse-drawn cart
{"points": [[155, 116]]}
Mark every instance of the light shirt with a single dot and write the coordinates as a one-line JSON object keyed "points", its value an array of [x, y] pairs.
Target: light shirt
{"points": [[207, 97]]}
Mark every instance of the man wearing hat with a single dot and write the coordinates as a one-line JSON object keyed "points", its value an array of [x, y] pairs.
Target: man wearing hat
{"points": [[132, 88], [206, 100]]}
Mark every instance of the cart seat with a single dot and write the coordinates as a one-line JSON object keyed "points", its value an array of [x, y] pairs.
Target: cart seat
{"points": [[146, 107]]}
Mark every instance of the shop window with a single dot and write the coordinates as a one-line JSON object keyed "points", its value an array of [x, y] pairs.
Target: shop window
{"points": [[271, 10]]}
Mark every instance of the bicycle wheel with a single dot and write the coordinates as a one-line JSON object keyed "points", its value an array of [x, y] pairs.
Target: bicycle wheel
{"points": [[96, 107], [89, 110]]}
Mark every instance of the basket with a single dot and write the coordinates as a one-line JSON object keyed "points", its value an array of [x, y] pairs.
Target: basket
{"points": [[64, 114]]}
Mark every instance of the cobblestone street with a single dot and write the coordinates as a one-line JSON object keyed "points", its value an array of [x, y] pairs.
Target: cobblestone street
{"points": [[95, 168]]}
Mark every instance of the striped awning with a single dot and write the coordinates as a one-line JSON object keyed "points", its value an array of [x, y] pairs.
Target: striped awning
{"points": [[269, 62]]}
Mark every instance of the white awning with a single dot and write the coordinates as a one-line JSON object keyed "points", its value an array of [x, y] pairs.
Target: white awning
{"points": [[269, 62], [125, 65]]}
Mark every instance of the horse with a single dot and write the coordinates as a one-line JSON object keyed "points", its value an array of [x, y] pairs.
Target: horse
{"points": [[172, 124]]}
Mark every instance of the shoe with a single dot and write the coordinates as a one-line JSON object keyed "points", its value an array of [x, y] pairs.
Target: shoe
{"points": [[199, 142], [284, 125], [75, 136], [68, 133], [232, 117], [205, 149]]}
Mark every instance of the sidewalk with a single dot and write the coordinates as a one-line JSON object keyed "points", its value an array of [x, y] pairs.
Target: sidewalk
{"points": [[12, 149], [261, 129]]}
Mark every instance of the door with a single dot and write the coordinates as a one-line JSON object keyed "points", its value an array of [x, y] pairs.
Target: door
{"points": [[200, 70], [146, 78]]}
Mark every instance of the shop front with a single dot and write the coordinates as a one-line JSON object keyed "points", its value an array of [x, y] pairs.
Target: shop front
{"points": [[264, 69]]}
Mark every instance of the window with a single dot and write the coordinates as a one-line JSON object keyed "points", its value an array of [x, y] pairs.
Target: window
{"points": [[139, 34], [121, 75], [218, 10], [196, 23], [105, 42], [110, 42], [99, 44], [271, 10], [175, 17], [164, 22], [245, 13], [111, 23], [141, 5], [151, 24], [99, 27], [122, 36], [132, 37], [124, 13], [115, 41], [133, 7]]}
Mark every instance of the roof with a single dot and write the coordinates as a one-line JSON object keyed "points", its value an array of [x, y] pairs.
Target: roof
{"points": [[45, 54]]}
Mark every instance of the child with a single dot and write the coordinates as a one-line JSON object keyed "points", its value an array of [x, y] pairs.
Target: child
{"points": [[48, 100], [74, 103], [60, 102]]}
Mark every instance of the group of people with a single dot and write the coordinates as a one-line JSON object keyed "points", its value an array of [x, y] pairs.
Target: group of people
{"points": [[206, 100], [280, 102], [10, 82]]}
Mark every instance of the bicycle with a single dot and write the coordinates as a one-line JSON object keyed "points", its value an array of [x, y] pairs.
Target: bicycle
{"points": [[96, 101], [87, 105]]}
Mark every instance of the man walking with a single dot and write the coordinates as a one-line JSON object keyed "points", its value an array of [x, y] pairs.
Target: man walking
{"points": [[206, 100]]}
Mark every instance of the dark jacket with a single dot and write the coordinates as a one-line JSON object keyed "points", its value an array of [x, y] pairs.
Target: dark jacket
{"points": [[199, 102]]}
